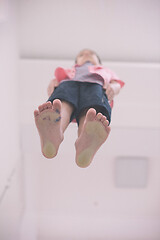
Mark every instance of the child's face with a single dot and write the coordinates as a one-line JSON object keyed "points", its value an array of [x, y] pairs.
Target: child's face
{"points": [[87, 55]]}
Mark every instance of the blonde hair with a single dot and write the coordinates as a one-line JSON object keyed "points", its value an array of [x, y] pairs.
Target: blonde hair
{"points": [[92, 52]]}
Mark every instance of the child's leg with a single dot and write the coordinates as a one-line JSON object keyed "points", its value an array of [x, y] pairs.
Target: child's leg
{"points": [[66, 112], [93, 132], [51, 121]]}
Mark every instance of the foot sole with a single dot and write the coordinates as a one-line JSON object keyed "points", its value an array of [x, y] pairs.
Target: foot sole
{"points": [[49, 150]]}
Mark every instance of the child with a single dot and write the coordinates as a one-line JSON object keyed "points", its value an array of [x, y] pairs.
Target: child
{"points": [[84, 93]]}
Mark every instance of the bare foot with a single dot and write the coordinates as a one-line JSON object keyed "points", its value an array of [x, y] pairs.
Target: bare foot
{"points": [[93, 135], [47, 120]]}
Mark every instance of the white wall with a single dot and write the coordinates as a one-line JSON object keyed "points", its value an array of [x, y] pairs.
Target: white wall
{"points": [[10, 176], [10, 151], [62, 199], [118, 30], [91, 203]]}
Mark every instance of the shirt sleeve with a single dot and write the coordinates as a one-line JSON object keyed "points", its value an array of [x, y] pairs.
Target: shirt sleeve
{"points": [[116, 78], [60, 74]]}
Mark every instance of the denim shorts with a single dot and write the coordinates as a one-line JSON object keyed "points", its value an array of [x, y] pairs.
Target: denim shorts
{"points": [[82, 96]]}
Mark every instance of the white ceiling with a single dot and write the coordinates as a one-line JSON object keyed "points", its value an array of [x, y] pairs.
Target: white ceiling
{"points": [[119, 30]]}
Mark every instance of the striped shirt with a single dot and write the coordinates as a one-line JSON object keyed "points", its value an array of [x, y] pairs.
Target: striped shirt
{"points": [[82, 74]]}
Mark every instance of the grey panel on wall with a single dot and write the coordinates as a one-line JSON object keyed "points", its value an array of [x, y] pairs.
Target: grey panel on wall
{"points": [[131, 172]]}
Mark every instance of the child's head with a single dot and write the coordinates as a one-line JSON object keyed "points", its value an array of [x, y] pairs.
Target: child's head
{"points": [[87, 55]]}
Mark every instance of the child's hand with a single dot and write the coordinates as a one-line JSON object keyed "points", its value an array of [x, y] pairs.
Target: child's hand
{"points": [[53, 83], [113, 89], [110, 92]]}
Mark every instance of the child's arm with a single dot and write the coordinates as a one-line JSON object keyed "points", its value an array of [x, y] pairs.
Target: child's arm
{"points": [[113, 89], [53, 83]]}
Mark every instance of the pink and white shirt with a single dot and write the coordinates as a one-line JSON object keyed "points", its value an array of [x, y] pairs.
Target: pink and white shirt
{"points": [[95, 73]]}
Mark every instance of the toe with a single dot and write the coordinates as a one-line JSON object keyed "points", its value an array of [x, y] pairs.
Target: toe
{"points": [[106, 123], [36, 113], [99, 116], [45, 105], [103, 118], [91, 114], [42, 107], [49, 105], [57, 105]]}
